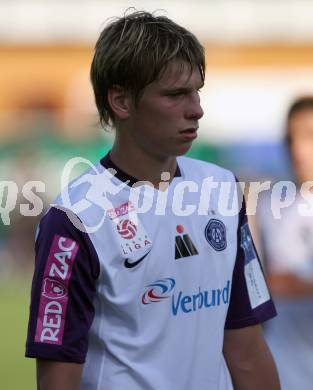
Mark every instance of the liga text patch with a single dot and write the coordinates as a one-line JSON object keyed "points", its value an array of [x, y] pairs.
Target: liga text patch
{"points": [[54, 291]]}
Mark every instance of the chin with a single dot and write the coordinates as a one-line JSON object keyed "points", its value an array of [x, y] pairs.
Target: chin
{"points": [[182, 149], [179, 150]]}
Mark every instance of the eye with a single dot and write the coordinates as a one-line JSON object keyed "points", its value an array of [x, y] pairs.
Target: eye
{"points": [[176, 94]]}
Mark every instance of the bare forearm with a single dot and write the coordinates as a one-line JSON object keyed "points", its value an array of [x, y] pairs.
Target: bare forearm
{"points": [[58, 375], [249, 359], [257, 373]]}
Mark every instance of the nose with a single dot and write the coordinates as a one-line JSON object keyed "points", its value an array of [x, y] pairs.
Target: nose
{"points": [[194, 109]]}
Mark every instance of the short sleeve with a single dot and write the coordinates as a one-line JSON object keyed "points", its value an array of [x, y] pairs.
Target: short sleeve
{"points": [[250, 301], [63, 290]]}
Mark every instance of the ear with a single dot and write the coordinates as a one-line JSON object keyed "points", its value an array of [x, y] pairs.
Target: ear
{"points": [[120, 102]]}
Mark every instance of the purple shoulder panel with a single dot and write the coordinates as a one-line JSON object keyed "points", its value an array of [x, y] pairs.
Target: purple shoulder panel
{"points": [[63, 290], [240, 313]]}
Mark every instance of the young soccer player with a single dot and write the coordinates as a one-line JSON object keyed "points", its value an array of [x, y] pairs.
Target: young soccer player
{"points": [[155, 295]]}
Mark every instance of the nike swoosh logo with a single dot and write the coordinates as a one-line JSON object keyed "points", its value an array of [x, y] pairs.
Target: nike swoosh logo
{"points": [[128, 264]]}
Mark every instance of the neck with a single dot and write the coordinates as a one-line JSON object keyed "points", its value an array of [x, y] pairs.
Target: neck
{"points": [[141, 165]]}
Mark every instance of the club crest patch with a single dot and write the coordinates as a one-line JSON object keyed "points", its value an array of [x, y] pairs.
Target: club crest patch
{"points": [[215, 234]]}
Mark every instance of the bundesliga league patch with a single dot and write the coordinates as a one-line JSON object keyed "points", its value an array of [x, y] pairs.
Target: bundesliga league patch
{"points": [[215, 234], [257, 289], [131, 234]]}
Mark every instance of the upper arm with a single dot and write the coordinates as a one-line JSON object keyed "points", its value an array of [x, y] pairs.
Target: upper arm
{"points": [[58, 375]]}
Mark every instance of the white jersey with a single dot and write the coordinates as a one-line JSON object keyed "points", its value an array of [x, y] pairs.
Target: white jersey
{"points": [[168, 272]]}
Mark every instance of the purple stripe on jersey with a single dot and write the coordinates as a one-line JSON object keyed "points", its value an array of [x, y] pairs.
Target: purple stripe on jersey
{"points": [[54, 291]]}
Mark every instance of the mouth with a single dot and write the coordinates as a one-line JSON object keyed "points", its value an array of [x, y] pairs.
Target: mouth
{"points": [[189, 134]]}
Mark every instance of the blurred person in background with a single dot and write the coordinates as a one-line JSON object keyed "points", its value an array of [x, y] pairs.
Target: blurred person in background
{"points": [[288, 255]]}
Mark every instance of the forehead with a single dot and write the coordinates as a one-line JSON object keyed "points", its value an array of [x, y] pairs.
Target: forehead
{"points": [[301, 122], [179, 74]]}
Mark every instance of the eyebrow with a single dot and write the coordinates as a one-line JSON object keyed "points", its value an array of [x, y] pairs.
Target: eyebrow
{"points": [[180, 89]]}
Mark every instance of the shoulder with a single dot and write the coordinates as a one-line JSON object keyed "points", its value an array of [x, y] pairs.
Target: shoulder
{"points": [[60, 230], [66, 214], [76, 189], [202, 169], [89, 194], [58, 217], [60, 223]]}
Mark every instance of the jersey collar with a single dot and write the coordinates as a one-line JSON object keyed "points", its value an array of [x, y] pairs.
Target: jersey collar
{"points": [[107, 163]]}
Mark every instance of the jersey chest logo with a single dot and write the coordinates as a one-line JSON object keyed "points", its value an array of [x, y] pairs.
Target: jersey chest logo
{"points": [[184, 247], [129, 264]]}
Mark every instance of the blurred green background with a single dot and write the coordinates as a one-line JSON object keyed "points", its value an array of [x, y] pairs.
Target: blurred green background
{"points": [[16, 372]]}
